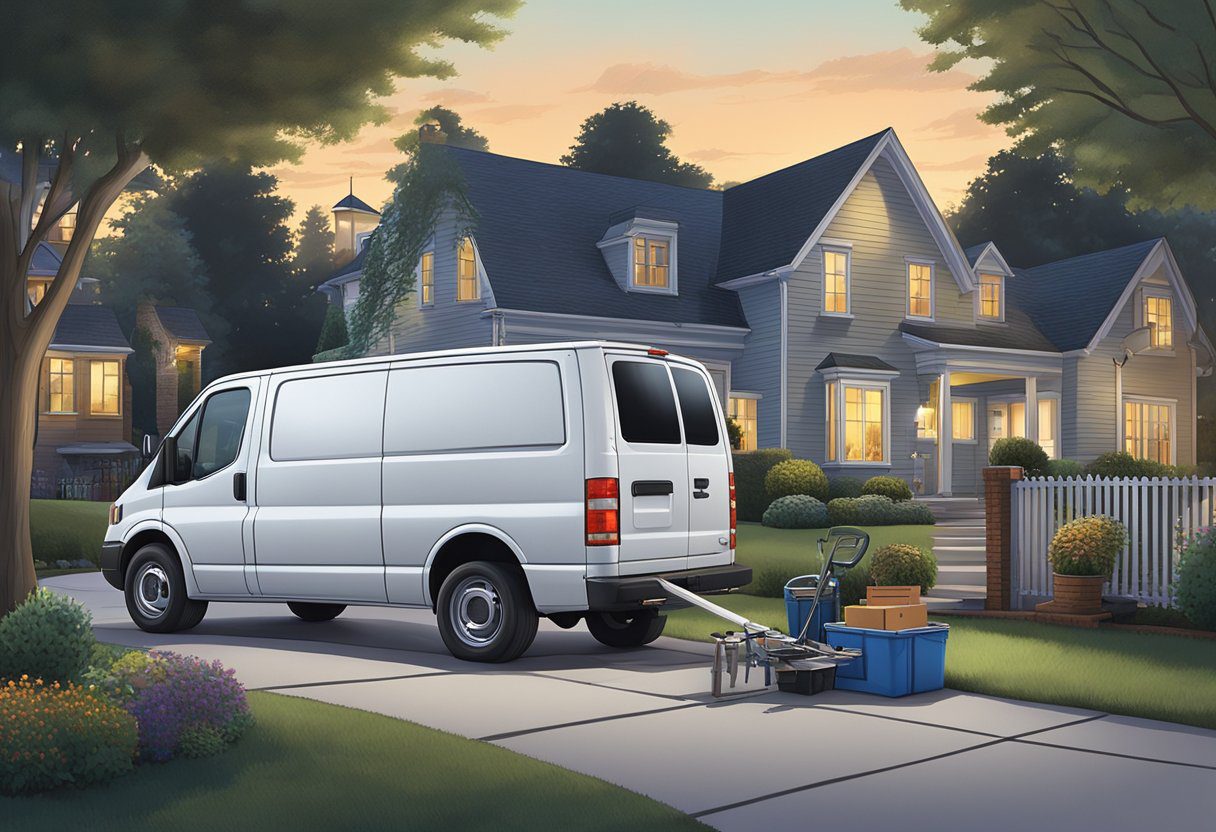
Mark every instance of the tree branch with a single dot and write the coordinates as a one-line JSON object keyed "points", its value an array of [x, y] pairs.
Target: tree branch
{"points": [[58, 200], [1152, 122]]}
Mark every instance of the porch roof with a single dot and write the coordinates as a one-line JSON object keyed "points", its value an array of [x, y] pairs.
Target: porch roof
{"points": [[854, 362], [1017, 332]]}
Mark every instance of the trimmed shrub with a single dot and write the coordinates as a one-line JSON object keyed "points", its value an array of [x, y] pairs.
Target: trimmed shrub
{"points": [[1064, 468], [796, 476], [1121, 464], [751, 467], [901, 564], [797, 511], [1196, 580], [1087, 546], [893, 487], [56, 735], [48, 636], [877, 510], [1020, 451], [844, 487], [201, 741]]}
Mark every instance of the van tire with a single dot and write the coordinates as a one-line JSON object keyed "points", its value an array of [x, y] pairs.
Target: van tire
{"points": [[155, 591], [315, 612], [485, 612], [626, 629]]}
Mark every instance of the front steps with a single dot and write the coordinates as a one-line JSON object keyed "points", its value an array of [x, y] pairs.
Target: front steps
{"points": [[959, 545]]}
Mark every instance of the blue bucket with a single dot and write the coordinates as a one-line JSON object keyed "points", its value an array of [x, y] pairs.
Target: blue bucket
{"points": [[800, 594]]}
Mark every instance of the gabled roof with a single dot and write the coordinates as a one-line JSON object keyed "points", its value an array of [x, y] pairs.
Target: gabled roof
{"points": [[183, 324], [350, 202], [45, 262], [973, 253], [87, 325], [855, 362]]}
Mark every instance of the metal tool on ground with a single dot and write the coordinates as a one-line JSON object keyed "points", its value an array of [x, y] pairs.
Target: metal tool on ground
{"points": [[802, 664]]}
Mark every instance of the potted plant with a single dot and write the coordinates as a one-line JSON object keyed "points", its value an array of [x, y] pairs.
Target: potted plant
{"points": [[1082, 556]]}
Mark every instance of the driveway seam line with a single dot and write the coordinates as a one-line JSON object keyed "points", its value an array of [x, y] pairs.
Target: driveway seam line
{"points": [[842, 710], [506, 735], [673, 697], [355, 681], [1104, 753]]}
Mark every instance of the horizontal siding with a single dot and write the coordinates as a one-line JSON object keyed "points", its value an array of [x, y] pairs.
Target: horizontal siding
{"points": [[758, 369]]}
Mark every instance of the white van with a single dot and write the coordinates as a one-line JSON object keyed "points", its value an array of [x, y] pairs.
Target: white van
{"points": [[493, 485]]}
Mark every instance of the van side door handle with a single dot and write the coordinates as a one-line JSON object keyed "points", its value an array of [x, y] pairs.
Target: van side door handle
{"points": [[238, 486], [700, 484], [652, 488]]}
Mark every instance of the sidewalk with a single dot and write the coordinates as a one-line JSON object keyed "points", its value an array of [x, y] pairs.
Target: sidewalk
{"points": [[643, 719]]}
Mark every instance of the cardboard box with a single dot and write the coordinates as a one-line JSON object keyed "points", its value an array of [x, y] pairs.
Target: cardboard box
{"points": [[892, 596], [901, 617]]}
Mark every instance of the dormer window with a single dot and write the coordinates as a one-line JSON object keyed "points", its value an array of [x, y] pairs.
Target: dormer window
{"points": [[1159, 317], [651, 262], [992, 293], [467, 287]]}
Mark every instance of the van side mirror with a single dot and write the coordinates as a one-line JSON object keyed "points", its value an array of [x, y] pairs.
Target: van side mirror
{"points": [[148, 446], [168, 459]]}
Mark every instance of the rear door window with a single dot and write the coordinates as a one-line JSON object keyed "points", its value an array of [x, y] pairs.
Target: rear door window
{"points": [[697, 408], [645, 403]]}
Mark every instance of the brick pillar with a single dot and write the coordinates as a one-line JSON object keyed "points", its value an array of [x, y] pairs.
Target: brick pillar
{"points": [[998, 533]]}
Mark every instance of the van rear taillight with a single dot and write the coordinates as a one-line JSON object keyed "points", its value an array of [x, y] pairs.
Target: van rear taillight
{"points": [[603, 512], [733, 512]]}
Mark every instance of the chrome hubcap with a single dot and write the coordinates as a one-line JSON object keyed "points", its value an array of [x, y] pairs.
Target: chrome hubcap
{"points": [[152, 591], [476, 611]]}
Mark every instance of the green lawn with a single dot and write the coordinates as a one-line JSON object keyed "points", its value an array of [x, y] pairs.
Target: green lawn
{"points": [[309, 765], [67, 529], [1154, 676]]}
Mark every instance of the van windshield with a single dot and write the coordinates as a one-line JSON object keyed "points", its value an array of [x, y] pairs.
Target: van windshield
{"points": [[645, 403]]}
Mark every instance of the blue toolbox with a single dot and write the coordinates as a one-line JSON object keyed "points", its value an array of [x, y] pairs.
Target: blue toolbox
{"points": [[892, 662]]}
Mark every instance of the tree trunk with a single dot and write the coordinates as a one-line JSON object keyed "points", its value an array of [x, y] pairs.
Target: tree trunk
{"points": [[19, 381]]}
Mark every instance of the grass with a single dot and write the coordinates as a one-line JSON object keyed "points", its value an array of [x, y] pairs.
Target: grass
{"points": [[67, 529], [309, 765], [1137, 674]]}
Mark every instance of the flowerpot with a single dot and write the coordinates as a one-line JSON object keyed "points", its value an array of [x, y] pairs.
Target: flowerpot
{"points": [[1077, 594]]}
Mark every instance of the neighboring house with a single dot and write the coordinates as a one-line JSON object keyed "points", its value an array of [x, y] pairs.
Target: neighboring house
{"points": [[178, 339], [834, 308]]}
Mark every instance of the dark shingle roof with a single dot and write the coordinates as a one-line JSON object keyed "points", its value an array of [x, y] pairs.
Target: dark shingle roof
{"points": [[86, 325], [353, 266], [353, 203], [767, 220], [1016, 333], [972, 253], [538, 225], [46, 260], [1070, 299], [182, 323], [854, 362]]}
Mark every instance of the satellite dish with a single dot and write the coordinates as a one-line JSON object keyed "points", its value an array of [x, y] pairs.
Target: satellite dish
{"points": [[1138, 340]]}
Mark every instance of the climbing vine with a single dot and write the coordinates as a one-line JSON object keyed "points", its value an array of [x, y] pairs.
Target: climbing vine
{"points": [[430, 184]]}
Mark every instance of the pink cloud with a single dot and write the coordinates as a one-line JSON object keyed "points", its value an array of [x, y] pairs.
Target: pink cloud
{"points": [[659, 79], [453, 97], [505, 113], [961, 124]]}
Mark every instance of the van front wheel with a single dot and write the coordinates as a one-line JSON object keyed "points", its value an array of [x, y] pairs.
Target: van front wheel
{"points": [[620, 629], [485, 613], [156, 592]]}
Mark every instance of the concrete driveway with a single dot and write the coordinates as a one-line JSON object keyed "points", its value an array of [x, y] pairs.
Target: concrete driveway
{"points": [[643, 719]]}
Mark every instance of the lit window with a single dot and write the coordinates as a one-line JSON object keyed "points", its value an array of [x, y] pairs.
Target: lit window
{"points": [[36, 289], [61, 386], [467, 287], [103, 388], [1159, 315], [743, 412], [836, 282], [926, 414], [863, 424], [1047, 427], [962, 420], [920, 290], [426, 277], [651, 265], [67, 226], [1147, 430], [832, 421], [990, 296], [1017, 419]]}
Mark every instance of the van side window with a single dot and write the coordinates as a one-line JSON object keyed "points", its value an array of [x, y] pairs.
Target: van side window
{"points": [[211, 439], [696, 407], [184, 464], [645, 403], [329, 417]]}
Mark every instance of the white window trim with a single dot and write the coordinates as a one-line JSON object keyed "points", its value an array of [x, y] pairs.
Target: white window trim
{"points": [[980, 317], [1141, 318], [871, 379], [920, 261], [1172, 404], [421, 303], [975, 433], [845, 249], [668, 237]]}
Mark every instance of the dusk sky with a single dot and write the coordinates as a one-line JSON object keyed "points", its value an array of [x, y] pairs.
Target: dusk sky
{"points": [[747, 87]]}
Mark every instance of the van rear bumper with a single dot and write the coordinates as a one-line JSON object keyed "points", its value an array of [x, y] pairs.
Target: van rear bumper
{"points": [[628, 593]]}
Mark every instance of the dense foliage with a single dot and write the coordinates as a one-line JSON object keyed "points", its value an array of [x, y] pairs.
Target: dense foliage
{"points": [[1121, 464], [877, 510], [845, 486], [1196, 579], [627, 139], [1064, 468], [734, 434], [751, 467], [1019, 451], [894, 487], [48, 636], [796, 476], [796, 511], [901, 564], [1087, 546]]}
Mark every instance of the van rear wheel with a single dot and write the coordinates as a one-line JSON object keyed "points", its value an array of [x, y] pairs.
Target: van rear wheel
{"points": [[315, 612], [155, 590], [626, 629], [485, 613]]}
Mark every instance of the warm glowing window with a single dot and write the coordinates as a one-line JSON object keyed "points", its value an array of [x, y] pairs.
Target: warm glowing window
{"points": [[832, 421], [67, 226], [467, 287], [863, 424], [835, 282], [1159, 315], [926, 414], [61, 386], [426, 277], [1017, 419], [743, 412], [920, 290], [1048, 440], [990, 296], [962, 420], [103, 388], [36, 289], [1147, 430], [651, 263]]}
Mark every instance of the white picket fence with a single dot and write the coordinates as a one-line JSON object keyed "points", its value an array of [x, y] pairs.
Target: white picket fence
{"points": [[1157, 514]]}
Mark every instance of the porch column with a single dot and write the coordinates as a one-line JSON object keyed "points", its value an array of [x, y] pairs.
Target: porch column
{"points": [[945, 436], [1032, 408]]}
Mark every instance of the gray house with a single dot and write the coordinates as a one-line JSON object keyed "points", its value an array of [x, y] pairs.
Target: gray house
{"points": [[835, 309]]}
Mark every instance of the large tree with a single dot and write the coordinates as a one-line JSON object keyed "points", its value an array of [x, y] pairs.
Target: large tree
{"points": [[314, 247], [90, 97], [1124, 88], [435, 125], [629, 140]]}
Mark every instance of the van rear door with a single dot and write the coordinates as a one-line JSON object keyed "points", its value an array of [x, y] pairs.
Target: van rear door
{"points": [[708, 469], [653, 466]]}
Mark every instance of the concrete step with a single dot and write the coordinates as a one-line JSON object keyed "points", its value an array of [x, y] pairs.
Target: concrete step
{"points": [[961, 591], [952, 604], [957, 574]]}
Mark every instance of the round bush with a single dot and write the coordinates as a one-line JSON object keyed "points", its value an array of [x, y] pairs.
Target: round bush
{"points": [[1087, 546], [844, 487], [48, 636], [1121, 465], [750, 469], [796, 476], [1017, 450], [56, 735], [797, 511], [893, 487], [877, 510], [1196, 580], [901, 564], [1064, 468]]}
